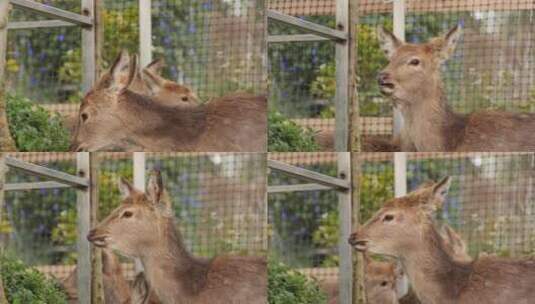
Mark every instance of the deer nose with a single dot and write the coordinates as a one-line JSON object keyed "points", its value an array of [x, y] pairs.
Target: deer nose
{"points": [[383, 78]]}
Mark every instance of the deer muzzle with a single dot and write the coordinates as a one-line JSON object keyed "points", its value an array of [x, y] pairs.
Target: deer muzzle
{"points": [[358, 242]]}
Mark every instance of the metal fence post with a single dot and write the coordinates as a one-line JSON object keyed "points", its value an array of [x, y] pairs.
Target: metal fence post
{"points": [[145, 32], [344, 209], [399, 31], [400, 173]]}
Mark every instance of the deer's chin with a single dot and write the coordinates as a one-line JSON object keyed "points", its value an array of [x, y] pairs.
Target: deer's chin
{"points": [[387, 89]]}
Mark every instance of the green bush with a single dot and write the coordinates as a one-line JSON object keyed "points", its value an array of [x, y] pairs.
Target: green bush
{"points": [[286, 285], [24, 285], [33, 128], [287, 136]]}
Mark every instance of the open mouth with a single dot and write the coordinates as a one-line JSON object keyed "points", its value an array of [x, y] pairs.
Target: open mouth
{"points": [[386, 87], [359, 245], [98, 240]]}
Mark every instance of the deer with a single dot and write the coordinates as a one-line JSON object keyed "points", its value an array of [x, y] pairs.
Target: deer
{"points": [[111, 115], [116, 287], [404, 228], [412, 81], [143, 227], [385, 281]]}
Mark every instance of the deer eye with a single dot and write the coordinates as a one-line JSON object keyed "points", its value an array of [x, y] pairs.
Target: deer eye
{"points": [[84, 117], [185, 98], [388, 218], [414, 62], [127, 214], [384, 283]]}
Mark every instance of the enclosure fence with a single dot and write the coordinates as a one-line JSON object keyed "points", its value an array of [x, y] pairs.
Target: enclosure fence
{"points": [[309, 203]]}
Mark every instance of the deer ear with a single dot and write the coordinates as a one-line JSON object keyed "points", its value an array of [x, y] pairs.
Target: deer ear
{"points": [[125, 187], [154, 82], [440, 189], [389, 42], [155, 187], [123, 72], [156, 66], [454, 241], [449, 42]]}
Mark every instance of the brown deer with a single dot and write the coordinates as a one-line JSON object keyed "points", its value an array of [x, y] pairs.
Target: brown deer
{"points": [[116, 287], [404, 228], [412, 81], [112, 115], [143, 227], [385, 281]]}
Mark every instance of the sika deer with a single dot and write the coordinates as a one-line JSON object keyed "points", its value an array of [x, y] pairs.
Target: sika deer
{"points": [[385, 282], [112, 115], [116, 288], [412, 81], [404, 228], [143, 227]]}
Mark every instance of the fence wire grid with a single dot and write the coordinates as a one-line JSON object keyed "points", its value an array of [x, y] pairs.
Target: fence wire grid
{"points": [[304, 226]]}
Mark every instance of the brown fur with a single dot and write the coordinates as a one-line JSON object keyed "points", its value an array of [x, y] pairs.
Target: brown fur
{"points": [[429, 123], [112, 116], [404, 228], [143, 227]]}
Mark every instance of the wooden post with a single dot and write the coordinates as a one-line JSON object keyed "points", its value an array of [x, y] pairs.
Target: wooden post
{"points": [[6, 142], [359, 296], [145, 32], [399, 31], [343, 78], [89, 53], [3, 297], [400, 173], [345, 276], [139, 183]]}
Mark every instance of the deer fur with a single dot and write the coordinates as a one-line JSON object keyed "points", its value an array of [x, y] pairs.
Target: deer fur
{"points": [[143, 227], [111, 115], [404, 228], [412, 81]]}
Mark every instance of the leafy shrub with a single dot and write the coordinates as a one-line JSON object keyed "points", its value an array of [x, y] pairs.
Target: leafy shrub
{"points": [[33, 128], [26, 285], [287, 136], [286, 285]]}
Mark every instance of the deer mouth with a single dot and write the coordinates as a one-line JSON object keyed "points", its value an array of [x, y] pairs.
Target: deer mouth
{"points": [[98, 240], [387, 88], [359, 245]]}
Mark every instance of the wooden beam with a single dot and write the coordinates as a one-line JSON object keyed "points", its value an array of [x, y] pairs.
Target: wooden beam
{"points": [[295, 38], [55, 175], [343, 78], [83, 202], [297, 188], [52, 12], [345, 277], [6, 141], [89, 45], [307, 26], [309, 175], [34, 186], [28, 25]]}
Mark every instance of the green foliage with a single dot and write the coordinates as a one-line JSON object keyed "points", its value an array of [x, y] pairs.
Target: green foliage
{"points": [[375, 189], [287, 136], [33, 128], [25, 285], [286, 285]]}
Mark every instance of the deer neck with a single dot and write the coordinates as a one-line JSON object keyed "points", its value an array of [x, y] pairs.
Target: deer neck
{"points": [[173, 273], [434, 275], [429, 123], [155, 126]]}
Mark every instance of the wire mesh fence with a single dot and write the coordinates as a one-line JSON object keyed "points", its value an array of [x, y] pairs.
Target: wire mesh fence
{"points": [[490, 203], [302, 73], [201, 41], [492, 67], [304, 225], [39, 226]]}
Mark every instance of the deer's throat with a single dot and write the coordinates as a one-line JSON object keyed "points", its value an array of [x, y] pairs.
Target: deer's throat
{"points": [[430, 124], [434, 275]]}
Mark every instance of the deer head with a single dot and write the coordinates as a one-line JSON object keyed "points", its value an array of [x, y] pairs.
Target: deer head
{"points": [[382, 281], [413, 72], [138, 223], [402, 222], [167, 92], [99, 118]]}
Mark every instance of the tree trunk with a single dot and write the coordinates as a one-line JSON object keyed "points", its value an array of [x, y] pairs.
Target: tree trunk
{"points": [[6, 142]]}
